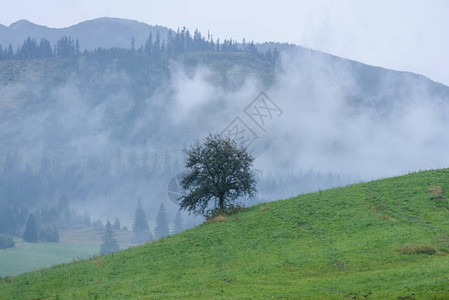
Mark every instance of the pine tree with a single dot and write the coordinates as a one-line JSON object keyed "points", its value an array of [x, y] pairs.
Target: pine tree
{"points": [[140, 227], [45, 48], [65, 47], [116, 225], [49, 234], [86, 220], [177, 224], [77, 47], [157, 46], [10, 53], [133, 43], [149, 44], [162, 229], [31, 234], [170, 43], [110, 244]]}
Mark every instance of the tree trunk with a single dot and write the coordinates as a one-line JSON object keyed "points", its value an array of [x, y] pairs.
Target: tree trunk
{"points": [[221, 202]]}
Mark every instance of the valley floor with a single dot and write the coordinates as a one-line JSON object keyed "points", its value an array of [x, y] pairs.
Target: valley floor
{"points": [[73, 245]]}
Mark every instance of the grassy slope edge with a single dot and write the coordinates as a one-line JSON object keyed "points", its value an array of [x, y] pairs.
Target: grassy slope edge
{"points": [[341, 243]]}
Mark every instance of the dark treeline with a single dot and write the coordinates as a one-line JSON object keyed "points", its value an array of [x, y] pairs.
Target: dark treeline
{"points": [[175, 44], [44, 223], [30, 185], [31, 49], [183, 41], [26, 186]]}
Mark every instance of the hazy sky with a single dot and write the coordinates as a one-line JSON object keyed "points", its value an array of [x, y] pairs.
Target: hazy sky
{"points": [[403, 35]]}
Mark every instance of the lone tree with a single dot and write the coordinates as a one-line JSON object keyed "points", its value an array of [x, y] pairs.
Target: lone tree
{"points": [[217, 170], [109, 244]]}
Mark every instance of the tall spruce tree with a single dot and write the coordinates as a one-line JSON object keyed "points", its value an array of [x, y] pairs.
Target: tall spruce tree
{"points": [[141, 229], [116, 225], [162, 229], [109, 244], [177, 224], [31, 234], [49, 234]]}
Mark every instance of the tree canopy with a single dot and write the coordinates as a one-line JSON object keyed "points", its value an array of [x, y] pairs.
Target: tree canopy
{"points": [[218, 170]]}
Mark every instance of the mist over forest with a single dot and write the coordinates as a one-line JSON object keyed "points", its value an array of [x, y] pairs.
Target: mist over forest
{"points": [[222, 150], [103, 128]]}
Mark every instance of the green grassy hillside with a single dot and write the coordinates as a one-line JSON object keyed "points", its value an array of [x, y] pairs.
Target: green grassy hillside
{"points": [[383, 239]]}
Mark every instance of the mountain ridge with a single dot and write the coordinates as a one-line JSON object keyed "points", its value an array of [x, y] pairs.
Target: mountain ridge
{"points": [[92, 33], [24, 24]]}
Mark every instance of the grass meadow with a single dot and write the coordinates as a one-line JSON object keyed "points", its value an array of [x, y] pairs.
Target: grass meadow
{"points": [[386, 239]]}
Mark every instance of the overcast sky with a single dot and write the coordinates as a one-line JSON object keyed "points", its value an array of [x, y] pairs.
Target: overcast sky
{"points": [[402, 35]]}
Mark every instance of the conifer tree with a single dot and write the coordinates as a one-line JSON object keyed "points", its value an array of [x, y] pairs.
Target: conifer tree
{"points": [[177, 224], [133, 43], [140, 227], [161, 229], [109, 244], [116, 225], [77, 47], [31, 234], [86, 220], [156, 51], [170, 43], [149, 44], [49, 234]]}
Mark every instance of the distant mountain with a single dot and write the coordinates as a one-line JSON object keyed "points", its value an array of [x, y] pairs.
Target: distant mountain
{"points": [[111, 124], [101, 32]]}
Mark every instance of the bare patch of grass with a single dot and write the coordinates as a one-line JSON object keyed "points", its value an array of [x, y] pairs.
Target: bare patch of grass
{"points": [[265, 208], [218, 214], [99, 262], [436, 192], [218, 218], [417, 249]]}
